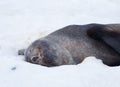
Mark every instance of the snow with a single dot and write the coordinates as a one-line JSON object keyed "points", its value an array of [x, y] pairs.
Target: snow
{"points": [[23, 21]]}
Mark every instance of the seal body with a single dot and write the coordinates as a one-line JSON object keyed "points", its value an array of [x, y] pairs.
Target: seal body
{"points": [[73, 43]]}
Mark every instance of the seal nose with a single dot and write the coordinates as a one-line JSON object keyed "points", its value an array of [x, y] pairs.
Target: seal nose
{"points": [[34, 59]]}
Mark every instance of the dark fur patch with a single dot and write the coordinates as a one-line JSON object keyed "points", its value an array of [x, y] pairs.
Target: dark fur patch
{"points": [[109, 37], [49, 58]]}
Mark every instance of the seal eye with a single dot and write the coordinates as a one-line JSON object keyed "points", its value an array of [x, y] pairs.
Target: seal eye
{"points": [[34, 59]]}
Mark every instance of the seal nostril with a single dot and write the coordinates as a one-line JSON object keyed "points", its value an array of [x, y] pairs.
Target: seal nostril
{"points": [[34, 59]]}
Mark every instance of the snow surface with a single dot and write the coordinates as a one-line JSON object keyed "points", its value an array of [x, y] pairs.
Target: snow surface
{"points": [[23, 21]]}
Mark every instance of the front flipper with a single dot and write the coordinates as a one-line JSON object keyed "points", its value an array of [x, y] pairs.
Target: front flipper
{"points": [[107, 36], [21, 52]]}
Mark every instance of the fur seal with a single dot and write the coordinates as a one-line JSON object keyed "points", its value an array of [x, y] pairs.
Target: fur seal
{"points": [[73, 43]]}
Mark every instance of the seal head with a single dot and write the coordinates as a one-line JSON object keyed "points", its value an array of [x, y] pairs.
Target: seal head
{"points": [[47, 53]]}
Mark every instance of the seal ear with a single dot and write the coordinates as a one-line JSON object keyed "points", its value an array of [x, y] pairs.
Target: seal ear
{"points": [[109, 37]]}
